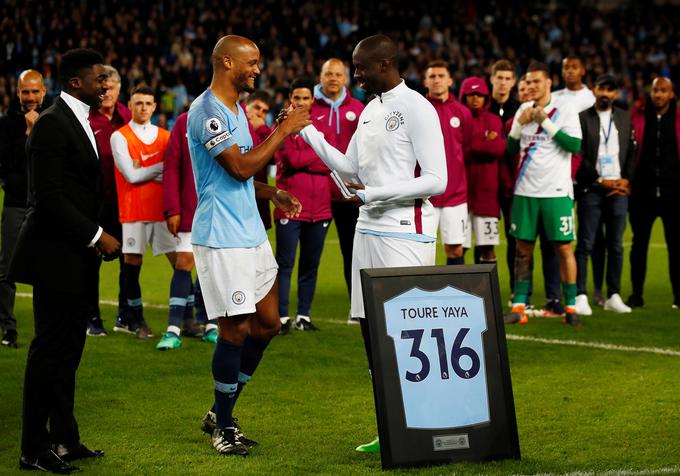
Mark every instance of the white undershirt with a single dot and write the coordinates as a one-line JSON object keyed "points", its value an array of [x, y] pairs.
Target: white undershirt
{"points": [[82, 113], [608, 165]]}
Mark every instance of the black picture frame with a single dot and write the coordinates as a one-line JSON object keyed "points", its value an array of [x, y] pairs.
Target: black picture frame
{"points": [[402, 446]]}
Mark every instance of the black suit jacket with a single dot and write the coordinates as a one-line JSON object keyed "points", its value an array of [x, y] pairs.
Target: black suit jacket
{"points": [[64, 199], [587, 175]]}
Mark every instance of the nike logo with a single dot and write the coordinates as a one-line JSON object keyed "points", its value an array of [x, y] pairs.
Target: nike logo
{"points": [[366, 122], [148, 156], [320, 117], [97, 131]]}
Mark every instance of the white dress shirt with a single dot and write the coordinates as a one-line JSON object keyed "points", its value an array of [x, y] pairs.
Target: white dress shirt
{"points": [[82, 112]]}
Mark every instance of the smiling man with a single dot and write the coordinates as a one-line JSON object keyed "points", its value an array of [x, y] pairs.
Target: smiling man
{"points": [[59, 245], [397, 154], [234, 260]]}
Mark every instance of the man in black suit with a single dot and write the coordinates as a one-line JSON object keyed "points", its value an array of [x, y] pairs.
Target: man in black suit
{"points": [[57, 251], [602, 188]]}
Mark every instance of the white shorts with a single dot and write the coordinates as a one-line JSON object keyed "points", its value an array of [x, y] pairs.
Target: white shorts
{"points": [[453, 223], [233, 280], [371, 251], [184, 245], [138, 235], [485, 230]]}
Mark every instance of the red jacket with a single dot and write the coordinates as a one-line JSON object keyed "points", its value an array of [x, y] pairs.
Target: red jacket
{"points": [[483, 156], [259, 135], [455, 123], [179, 190], [103, 128], [300, 172], [349, 112]]}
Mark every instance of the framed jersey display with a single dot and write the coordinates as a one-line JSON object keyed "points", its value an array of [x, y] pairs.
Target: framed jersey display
{"points": [[441, 378]]}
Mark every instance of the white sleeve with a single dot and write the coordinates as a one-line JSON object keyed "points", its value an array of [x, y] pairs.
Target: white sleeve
{"points": [[345, 164], [121, 156], [428, 146]]}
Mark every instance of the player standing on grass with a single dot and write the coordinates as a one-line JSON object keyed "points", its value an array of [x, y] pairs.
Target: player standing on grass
{"points": [[546, 131], [397, 154], [234, 260]]}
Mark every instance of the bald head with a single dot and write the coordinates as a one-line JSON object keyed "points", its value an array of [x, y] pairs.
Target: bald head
{"points": [[31, 90], [235, 61], [378, 48], [231, 46], [333, 78], [662, 93]]}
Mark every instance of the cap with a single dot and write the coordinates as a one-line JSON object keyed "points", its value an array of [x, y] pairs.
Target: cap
{"points": [[606, 79]]}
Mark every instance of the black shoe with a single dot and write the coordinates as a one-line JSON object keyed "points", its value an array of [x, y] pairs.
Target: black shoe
{"points": [[209, 423], [305, 325], [572, 319], [635, 301], [78, 451], [10, 338], [241, 437], [47, 461], [225, 442], [285, 329]]}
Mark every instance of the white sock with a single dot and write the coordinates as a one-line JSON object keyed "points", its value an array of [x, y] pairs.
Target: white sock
{"points": [[175, 330], [284, 319], [300, 317]]}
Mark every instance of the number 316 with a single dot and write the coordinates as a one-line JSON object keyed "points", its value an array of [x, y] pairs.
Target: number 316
{"points": [[457, 352]]}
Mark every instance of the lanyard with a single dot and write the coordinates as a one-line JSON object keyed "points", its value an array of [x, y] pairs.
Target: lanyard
{"points": [[609, 131]]}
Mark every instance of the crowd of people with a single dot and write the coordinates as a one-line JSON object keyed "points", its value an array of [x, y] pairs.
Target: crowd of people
{"points": [[166, 44]]}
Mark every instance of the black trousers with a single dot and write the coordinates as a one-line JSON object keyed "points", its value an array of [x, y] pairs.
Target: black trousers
{"points": [[643, 212], [50, 378], [12, 217], [346, 215]]}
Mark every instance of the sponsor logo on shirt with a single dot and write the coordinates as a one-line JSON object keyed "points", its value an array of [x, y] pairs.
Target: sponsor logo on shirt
{"points": [[212, 143], [351, 116], [318, 118], [393, 120], [213, 125], [405, 222], [455, 122], [146, 157]]}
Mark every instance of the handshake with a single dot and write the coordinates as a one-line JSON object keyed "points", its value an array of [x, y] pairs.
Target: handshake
{"points": [[293, 119]]}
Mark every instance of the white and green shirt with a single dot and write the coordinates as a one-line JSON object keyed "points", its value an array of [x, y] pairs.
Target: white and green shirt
{"points": [[545, 150]]}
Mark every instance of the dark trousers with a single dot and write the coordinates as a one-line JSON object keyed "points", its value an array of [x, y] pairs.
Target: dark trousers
{"points": [[644, 210], [596, 210], [506, 208], [12, 217], [346, 215], [50, 378], [311, 236]]}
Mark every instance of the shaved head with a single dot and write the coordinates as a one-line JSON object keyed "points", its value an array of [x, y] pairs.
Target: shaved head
{"points": [[662, 80], [31, 90], [231, 46], [662, 93], [378, 48]]}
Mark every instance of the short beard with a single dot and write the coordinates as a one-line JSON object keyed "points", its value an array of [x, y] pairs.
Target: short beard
{"points": [[603, 103]]}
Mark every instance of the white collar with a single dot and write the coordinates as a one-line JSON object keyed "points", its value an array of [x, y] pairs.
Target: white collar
{"points": [[394, 92], [79, 108], [141, 128]]}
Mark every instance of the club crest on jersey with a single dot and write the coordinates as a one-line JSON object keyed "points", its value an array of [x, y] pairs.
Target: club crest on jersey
{"points": [[238, 297], [351, 116], [393, 120], [213, 125], [455, 122]]}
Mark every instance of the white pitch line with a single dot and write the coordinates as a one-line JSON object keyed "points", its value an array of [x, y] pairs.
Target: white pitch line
{"points": [[595, 345], [614, 472]]}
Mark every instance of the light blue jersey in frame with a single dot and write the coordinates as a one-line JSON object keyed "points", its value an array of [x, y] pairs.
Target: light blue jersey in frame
{"points": [[226, 215]]}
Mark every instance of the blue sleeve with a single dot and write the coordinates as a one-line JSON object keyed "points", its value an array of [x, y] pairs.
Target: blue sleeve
{"points": [[213, 128]]}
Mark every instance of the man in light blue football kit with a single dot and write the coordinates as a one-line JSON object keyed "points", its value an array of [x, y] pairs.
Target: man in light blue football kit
{"points": [[234, 261]]}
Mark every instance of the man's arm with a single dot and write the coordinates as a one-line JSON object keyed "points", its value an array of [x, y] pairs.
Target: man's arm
{"points": [[124, 163], [566, 138], [281, 199], [243, 166], [347, 165]]}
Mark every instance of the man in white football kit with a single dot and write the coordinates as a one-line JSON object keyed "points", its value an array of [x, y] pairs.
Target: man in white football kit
{"points": [[395, 161]]}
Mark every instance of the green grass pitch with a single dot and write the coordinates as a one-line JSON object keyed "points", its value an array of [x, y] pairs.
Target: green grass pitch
{"points": [[580, 410]]}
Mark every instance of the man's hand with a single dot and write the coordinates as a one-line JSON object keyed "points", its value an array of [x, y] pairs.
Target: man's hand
{"points": [[539, 114], [173, 223], [354, 187], [255, 120], [296, 120], [614, 188], [107, 246], [491, 135], [31, 117], [526, 117], [287, 203], [136, 163]]}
